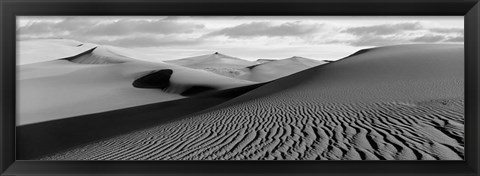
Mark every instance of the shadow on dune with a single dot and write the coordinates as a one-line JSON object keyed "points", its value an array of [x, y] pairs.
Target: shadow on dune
{"points": [[72, 59], [161, 80], [36, 140], [193, 90]]}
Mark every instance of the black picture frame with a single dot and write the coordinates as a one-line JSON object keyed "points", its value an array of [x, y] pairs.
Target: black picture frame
{"points": [[9, 9]]}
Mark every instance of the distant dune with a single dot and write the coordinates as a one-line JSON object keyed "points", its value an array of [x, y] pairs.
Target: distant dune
{"points": [[261, 61], [271, 70], [35, 51], [84, 80], [100, 55], [395, 103], [215, 60], [262, 70], [217, 63]]}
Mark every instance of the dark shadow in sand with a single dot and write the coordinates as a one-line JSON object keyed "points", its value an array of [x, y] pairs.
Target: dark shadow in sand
{"points": [[161, 80], [158, 80]]}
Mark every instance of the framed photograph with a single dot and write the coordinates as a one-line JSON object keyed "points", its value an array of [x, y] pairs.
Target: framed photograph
{"points": [[239, 87]]}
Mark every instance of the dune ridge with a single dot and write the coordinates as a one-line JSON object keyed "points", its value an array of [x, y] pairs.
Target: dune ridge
{"points": [[389, 103], [215, 60], [99, 55], [272, 70], [37, 51]]}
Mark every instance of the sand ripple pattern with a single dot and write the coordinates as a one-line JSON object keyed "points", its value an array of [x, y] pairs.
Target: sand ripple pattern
{"points": [[296, 130]]}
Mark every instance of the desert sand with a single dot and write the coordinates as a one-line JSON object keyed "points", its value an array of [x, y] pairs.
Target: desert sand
{"points": [[74, 80], [262, 70], [35, 51], [215, 60], [216, 63], [271, 70], [389, 103]]}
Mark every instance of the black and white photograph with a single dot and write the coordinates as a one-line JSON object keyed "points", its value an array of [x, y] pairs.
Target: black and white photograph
{"points": [[240, 88]]}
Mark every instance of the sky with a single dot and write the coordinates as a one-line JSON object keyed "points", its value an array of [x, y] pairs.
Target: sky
{"points": [[246, 37]]}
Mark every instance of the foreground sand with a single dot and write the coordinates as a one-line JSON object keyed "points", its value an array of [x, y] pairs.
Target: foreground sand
{"points": [[398, 102]]}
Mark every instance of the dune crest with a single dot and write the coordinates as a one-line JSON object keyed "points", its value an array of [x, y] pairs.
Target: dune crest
{"points": [[271, 70], [215, 60], [261, 61], [41, 50], [99, 55]]}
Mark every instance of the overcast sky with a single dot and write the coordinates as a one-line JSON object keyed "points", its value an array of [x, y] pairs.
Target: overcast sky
{"points": [[246, 37]]}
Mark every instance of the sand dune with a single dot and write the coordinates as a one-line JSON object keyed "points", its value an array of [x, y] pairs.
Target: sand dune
{"points": [[217, 63], [100, 80], [261, 61], [215, 60], [99, 55], [272, 70], [262, 70], [35, 51], [394, 103]]}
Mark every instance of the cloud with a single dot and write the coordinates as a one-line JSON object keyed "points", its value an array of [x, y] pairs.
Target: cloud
{"points": [[67, 25], [383, 29], [36, 28], [84, 26], [148, 41], [256, 29], [121, 31], [429, 38], [455, 39], [126, 27], [400, 33], [447, 30], [175, 31], [376, 41]]}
